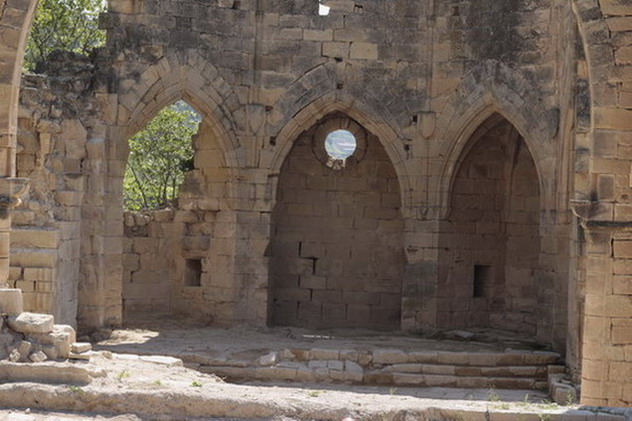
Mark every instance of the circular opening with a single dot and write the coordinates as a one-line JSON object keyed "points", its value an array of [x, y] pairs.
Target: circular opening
{"points": [[340, 144]]}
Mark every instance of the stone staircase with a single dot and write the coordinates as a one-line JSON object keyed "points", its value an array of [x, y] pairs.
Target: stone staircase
{"points": [[34, 254], [387, 367]]}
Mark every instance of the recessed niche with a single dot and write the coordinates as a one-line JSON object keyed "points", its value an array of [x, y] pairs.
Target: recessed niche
{"points": [[193, 273], [483, 277]]}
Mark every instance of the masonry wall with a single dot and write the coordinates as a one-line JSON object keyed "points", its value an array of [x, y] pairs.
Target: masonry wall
{"points": [[492, 240], [263, 73], [337, 241], [147, 271]]}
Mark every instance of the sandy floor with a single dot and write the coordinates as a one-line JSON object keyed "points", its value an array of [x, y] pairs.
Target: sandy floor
{"points": [[169, 337]]}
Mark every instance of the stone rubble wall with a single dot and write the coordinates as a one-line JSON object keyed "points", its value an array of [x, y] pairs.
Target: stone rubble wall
{"points": [[31, 337]]}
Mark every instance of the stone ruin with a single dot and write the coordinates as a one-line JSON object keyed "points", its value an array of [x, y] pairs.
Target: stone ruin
{"points": [[489, 187], [34, 338]]}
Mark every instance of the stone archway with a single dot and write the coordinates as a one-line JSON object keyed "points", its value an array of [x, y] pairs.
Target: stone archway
{"points": [[337, 242], [491, 240]]}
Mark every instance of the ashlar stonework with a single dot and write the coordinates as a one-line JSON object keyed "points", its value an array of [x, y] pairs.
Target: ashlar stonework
{"points": [[493, 190]]}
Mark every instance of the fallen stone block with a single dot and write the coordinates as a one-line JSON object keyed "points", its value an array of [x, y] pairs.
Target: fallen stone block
{"points": [[46, 372], [79, 347], [162, 360], [14, 356], [268, 359], [60, 338], [24, 349], [69, 330], [50, 351], [81, 357], [38, 357], [32, 323]]}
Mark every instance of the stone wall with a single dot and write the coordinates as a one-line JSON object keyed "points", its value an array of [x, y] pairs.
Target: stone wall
{"points": [[147, 266], [262, 73], [492, 239], [337, 247]]}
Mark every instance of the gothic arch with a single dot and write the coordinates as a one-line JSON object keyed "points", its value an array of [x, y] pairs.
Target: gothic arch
{"points": [[191, 78], [495, 89], [332, 103], [458, 149]]}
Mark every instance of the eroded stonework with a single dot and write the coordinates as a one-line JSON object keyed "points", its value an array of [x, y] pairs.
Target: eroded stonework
{"points": [[487, 122]]}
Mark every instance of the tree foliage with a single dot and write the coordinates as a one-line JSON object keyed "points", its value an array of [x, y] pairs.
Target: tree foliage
{"points": [[69, 25], [160, 155]]}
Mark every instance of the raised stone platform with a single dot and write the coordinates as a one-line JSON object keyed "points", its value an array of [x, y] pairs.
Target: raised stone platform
{"points": [[351, 357]]}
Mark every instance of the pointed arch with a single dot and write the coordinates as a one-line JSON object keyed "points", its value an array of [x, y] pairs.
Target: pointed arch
{"points": [[187, 77], [464, 124], [331, 103]]}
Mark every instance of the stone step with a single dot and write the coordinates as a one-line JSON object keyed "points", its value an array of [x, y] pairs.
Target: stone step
{"points": [[356, 375], [503, 370], [381, 358], [34, 238]]}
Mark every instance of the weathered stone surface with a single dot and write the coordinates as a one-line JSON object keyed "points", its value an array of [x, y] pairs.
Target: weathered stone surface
{"points": [[32, 323], [470, 190], [11, 302], [38, 357]]}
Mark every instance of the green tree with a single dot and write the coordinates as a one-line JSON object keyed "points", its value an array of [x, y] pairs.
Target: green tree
{"points": [[160, 155], [69, 25]]}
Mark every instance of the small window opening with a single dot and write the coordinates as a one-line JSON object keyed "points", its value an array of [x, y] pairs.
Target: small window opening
{"points": [[340, 144], [483, 277], [193, 273], [322, 9]]}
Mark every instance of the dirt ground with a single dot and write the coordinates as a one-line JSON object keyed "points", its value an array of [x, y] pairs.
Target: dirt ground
{"points": [[128, 378], [173, 337]]}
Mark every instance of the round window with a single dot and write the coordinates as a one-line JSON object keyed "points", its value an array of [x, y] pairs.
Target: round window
{"points": [[340, 144]]}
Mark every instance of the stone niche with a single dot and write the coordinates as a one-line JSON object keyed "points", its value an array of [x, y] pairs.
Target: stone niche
{"points": [[491, 241], [337, 255]]}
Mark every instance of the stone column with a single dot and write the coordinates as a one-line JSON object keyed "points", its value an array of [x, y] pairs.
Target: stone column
{"points": [[11, 190], [606, 336]]}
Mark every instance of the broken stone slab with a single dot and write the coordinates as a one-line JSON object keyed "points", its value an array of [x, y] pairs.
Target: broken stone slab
{"points": [[162, 360], [50, 351], [60, 338], [32, 323], [38, 357], [24, 348], [11, 301], [79, 347], [69, 330], [14, 356], [81, 357], [46, 372], [268, 359]]}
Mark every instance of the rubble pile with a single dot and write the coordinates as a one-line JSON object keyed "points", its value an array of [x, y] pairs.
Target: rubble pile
{"points": [[33, 338]]}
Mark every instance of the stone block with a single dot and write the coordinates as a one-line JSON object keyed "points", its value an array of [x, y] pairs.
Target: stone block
{"points": [[11, 302], [79, 347], [38, 357], [363, 51], [324, 354], [32, 323], [389, 356]]}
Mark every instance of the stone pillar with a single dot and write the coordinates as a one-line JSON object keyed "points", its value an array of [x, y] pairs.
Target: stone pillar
{"points": [[607, 321], [11, 190], [419, 286]]}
